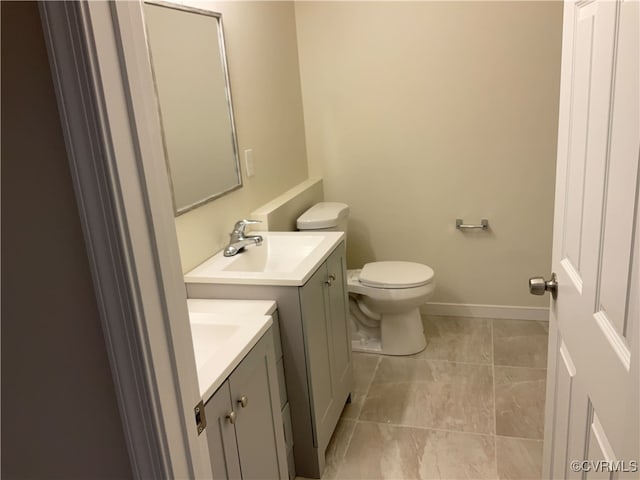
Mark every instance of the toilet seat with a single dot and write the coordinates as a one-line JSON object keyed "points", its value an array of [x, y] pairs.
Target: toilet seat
{"points": [[395, 275], [396, 293]]}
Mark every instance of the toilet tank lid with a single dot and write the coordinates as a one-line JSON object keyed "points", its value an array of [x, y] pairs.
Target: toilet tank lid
{"points": [[395, 274], [323, 215]]}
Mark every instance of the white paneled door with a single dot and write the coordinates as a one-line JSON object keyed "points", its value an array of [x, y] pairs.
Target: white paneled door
{"points": [[592, 424]]}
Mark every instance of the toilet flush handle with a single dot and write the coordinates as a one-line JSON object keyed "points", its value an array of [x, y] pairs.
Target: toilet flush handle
{"points": [[330, 279]]}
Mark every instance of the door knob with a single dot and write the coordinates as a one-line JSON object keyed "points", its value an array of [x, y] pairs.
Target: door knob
{"points": [[243, 401], [538, 285]]}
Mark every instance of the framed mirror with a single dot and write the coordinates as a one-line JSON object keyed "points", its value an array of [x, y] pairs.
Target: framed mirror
{"points": [[186, 49]]}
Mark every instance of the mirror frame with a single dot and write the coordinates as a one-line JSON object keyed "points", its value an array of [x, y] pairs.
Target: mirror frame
{"points": [[225, 71]]}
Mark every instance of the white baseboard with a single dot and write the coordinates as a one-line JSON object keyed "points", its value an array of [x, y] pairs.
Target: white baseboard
{"points": [[486, 311]]}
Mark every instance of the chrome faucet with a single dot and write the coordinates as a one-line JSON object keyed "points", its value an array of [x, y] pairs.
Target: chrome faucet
{"points": [[239, 240]]}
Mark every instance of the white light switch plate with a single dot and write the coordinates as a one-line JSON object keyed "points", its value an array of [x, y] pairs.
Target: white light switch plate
{"points": [[248, 162]]}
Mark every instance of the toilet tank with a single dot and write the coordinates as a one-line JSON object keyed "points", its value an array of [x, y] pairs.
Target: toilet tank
{"points": [[327, 216]]}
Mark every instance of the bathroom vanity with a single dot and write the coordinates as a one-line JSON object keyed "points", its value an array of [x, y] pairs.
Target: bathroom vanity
{"points": [[241, 379], [244, 419], [306, 275]]}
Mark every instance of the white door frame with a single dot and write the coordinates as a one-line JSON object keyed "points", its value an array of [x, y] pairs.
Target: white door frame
{"points": [[103, 81]]}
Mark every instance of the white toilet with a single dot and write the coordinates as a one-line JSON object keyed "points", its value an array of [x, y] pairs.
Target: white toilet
{"points": [[384, 297]]}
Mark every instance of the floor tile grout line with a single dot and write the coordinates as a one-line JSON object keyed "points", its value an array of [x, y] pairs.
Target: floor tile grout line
{"points": [[357, 419], [521, 367], [495, 403], [444, 360], [400, 357], [419, 427], [488, 364], [366, 393], [520, 438]]}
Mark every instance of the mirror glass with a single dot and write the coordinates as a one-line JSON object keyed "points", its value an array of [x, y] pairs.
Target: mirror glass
{"points": [[186, 48]]}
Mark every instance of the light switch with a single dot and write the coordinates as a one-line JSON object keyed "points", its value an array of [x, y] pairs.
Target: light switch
{"points": [[248, 162]]}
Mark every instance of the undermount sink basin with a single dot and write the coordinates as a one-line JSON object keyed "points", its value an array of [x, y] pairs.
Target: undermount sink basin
{"points": [[284, 258]]}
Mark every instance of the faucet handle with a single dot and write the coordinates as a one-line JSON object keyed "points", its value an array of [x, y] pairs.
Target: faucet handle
{"points": [[241, 224]]}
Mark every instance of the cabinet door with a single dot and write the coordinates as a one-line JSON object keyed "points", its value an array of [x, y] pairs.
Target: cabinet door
{"points": [[256, 399], [327, 340], [221, 435], [340, 328], [317, 334]]}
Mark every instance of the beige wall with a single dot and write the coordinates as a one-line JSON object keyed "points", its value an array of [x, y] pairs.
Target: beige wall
{"points": [[60, 416], [417, 113], [263, 67]]}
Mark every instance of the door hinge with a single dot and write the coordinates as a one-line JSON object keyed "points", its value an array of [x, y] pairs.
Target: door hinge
{"points": [[201, 420]]}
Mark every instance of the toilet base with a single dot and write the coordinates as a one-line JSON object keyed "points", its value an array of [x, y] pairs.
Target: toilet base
{"points": [[400, 334], [370, 345]]}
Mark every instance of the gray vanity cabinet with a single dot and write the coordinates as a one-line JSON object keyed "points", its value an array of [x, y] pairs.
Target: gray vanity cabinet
{"points": [[316, 346], [323, 303], [244, 423]]}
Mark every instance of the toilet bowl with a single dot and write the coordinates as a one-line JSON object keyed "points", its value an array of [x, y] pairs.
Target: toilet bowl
{"points": [[384, 307], [384, 297]]}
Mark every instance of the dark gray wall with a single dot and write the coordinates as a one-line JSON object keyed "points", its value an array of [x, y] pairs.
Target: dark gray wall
{"points": [[60, 417]]}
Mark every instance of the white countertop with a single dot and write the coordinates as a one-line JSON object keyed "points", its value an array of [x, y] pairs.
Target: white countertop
{"points": [[231, 307], [223, 332], [284, 258]]}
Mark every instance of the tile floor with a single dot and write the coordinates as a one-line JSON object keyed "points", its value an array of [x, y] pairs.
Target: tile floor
{"points": [[470, 406]]}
